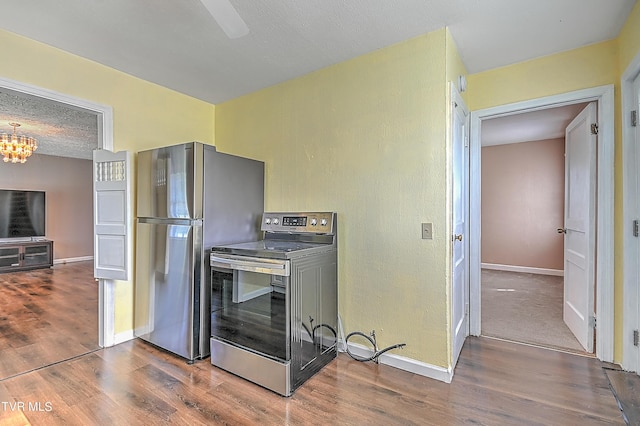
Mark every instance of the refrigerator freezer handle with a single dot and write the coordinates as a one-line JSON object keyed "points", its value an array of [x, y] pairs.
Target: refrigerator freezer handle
{"points": [[170, 221]]}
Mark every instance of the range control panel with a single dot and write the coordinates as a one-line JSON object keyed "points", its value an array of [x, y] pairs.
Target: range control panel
{"points": [[315, 223]]}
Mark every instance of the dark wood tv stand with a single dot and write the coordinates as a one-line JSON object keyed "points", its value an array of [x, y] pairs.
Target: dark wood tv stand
{"points": [[21, 255]]}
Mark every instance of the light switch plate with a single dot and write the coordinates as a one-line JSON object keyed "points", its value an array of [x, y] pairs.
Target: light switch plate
{"points": [[427, 231]]}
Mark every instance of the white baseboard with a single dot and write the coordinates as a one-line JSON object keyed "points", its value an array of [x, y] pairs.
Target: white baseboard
{"points": [[123, 337], [253, 294], [523, 269], [141, 331], [72, 259], [406, 364]]}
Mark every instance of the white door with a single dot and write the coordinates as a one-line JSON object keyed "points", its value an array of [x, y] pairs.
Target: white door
{"points": [[460, 178], [579, 226], [110, 211]]}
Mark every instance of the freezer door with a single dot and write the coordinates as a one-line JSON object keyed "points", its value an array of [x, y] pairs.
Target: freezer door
{"points": [[167, 182], [167, 287], [233, 198]]}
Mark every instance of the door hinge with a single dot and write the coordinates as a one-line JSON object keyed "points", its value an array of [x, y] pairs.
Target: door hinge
{"points": [[636, 338], [592, 321], [594, 128], [636, 226], [466, 309], [634, 118]]}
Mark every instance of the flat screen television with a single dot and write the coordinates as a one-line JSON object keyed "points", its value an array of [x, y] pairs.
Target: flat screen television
{"points": [[22, 213]]}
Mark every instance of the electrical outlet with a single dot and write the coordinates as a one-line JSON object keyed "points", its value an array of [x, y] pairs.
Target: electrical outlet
{"points": [[427, 231]]}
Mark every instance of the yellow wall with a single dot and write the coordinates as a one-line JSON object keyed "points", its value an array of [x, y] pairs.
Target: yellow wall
{"points": [[365, 138], [145, 115], [629, 38], [455, 67], [590, 66]]}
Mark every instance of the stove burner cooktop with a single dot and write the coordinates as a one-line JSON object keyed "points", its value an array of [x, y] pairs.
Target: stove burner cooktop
{"points": [[288, 235], [269, 248]]}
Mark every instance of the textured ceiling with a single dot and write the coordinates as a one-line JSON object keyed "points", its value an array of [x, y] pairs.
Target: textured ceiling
{"points": [[538, 125], [60, 129], [177, 44]]}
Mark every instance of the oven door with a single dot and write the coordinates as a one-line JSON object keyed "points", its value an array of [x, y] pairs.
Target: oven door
{"points": [[249, 304]]}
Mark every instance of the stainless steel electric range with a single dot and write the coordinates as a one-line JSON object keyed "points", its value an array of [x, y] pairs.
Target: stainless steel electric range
{"points": [[274, 303]]}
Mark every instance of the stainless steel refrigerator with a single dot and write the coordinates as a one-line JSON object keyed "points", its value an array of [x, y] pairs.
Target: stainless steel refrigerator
{"points": [[190, 198]]}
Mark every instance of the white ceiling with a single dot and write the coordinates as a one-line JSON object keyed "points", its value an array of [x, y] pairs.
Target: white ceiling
{"points": [[177, 44], [60, 129], [538, 125]]}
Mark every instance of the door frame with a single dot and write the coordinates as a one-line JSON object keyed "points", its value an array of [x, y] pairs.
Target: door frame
{"points": [[630, 212], [106, 288], [604, 95]]}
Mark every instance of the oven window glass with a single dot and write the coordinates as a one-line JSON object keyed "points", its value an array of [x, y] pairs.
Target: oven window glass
{"points": [[248, 309]]}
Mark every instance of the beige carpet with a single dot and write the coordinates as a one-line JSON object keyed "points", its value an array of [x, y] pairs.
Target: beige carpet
{"points": [[525, 308]]}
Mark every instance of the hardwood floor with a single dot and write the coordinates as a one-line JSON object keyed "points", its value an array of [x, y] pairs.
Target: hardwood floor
{"points": [[46, 316], [496, 383], [50, 317]]}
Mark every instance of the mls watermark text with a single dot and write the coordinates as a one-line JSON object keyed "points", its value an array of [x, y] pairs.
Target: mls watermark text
{"points": [[41, 406]]}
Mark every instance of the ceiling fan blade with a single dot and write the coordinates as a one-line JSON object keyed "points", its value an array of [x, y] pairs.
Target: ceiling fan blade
{"points": [[227, 17]]}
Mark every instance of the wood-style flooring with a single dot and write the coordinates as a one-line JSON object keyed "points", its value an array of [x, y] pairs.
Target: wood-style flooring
{"points": [[496, 383], [134, 383], [46, 316]]}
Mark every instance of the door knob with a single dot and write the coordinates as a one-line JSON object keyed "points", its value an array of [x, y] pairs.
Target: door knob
{"points": [[562, 230], [457, 237]]}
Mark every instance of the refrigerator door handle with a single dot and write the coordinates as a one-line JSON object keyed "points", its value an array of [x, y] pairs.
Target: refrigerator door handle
{"points": [[170, 221], [251, 264]]}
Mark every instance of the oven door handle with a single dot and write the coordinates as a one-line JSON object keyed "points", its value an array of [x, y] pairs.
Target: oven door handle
{"points": [[251, 264]]}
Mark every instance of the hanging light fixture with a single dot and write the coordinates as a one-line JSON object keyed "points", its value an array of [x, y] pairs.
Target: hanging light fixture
{"points": [[16, 148]]}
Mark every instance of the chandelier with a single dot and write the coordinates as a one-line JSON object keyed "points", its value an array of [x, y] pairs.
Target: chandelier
{"points": [[16, 148]]}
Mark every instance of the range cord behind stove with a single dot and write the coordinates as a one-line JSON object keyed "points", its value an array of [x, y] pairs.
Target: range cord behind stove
{"points": [[312, 332], [372, 339]]}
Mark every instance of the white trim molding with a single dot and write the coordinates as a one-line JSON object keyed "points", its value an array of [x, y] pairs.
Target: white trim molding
{"points": [[407, 364], [630, 212], [604, 95], [106, 296], [123, 337], [72, 260], [522, 269]]}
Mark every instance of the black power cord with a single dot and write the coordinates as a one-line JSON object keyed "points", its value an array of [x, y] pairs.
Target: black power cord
{"points": [[312, 332], [372, 340]]}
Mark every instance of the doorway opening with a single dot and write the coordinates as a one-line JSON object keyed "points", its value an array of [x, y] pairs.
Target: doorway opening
{"points": [[523, 198], [604, 205], [104, 115]]}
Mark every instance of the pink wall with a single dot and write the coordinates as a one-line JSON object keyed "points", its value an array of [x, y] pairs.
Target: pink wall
{"points": [[69, 197], [523, 204]]}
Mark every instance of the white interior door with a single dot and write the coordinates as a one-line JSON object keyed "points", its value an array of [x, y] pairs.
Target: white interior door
{"points": [[459, 250], [579, 226], [111, 214]]}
